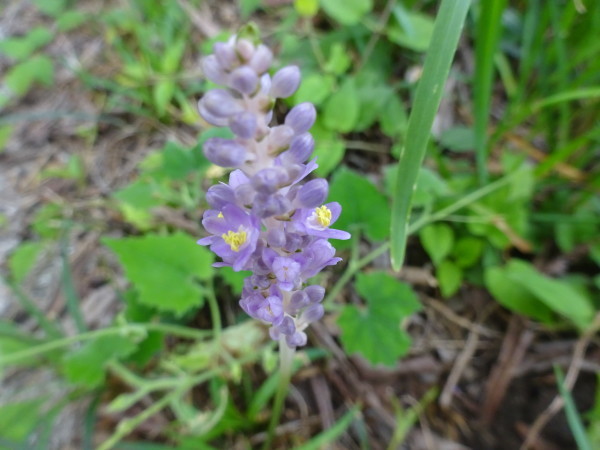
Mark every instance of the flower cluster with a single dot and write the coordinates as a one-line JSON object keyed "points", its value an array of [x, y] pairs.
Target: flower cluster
{"points": [[266, 219]]}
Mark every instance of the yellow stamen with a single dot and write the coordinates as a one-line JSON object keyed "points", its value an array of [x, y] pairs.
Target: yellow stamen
{"points": [[220, 215], [235, 240], [323, 214]]}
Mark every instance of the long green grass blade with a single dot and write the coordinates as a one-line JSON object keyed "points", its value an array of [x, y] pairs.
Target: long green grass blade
{"points": [[486, 42], [447, 29], [573, 417], [325, 438]]}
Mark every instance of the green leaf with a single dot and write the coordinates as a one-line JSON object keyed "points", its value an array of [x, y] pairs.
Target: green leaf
{"points": [[51, 7], [347, 12], [447, 30], [514, 296], [393, 118], [342, 109], [326, 438], [5, 133], [37, 69], [372, 94], [22, 47], [437, 239], [410, 29], [374, 330], [163, 94], [247, 7], [70, 20], [449, 277], [363, 206], [23, 259], [86, 365], [329, 149], [458, 139], [558, 295], [164, 269], [339, 61], [19, 419], [467, 251], [306, 8], [315, 88]]}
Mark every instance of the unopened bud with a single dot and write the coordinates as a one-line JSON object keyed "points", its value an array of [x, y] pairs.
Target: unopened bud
{"points": [[301, 117], [212, 69], [315, 293], [301, 148], [224, 152], [219, 195], [262, 59], [245, 49], [313, 194], [219, 103], [285, 82], [225, 55], [243, 124], [244, 80]]}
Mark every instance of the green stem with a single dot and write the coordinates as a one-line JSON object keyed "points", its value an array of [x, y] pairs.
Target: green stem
{"points": [[65, 342], [214, 311], [286, 358]]}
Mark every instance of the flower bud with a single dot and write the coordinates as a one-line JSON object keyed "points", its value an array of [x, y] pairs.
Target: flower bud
{"points": [[219, 195], [313, 194], [315, 293], [276, 237], [285, 82], [224, 152], [212, 69], [262, 59], [301, 148], [280, 138], [243, 125], [287, 326], [219, 103], [299, 300], [245, 49], [225, 55], [313, 313], [244, 194], [244, 80], [269, 180], [301, 117], [270, 205], [298, 339]]}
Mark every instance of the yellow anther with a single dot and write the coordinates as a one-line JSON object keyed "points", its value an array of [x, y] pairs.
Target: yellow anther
{"points": [[235, 240], [220, 215], [323, 214]]}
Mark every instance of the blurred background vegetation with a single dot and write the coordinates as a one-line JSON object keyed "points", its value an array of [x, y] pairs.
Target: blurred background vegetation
{"points": [[115, 330]]}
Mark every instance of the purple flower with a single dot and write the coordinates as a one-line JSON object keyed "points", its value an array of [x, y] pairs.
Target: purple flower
{"points": [[235, 234], [316, 221], [267, 219]]}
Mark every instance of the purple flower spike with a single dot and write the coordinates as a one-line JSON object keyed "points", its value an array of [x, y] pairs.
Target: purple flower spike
{"points": [[267, 219]]}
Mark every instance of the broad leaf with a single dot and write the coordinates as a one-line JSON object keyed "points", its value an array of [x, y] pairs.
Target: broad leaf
{"points": [[165, 269], [437, 239], [342, 109], [347, 12], [363, 205], [374, 330]]}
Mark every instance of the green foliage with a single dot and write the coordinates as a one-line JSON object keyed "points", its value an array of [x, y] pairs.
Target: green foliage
{"points": [[341, 111], [410, 29], [363, 205], [165, 269], [374, 330], [19, 419], [520, 287], [23, 47], [86, 365], [347, 12], [437, 239], [23, 259], [22, 76]]}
